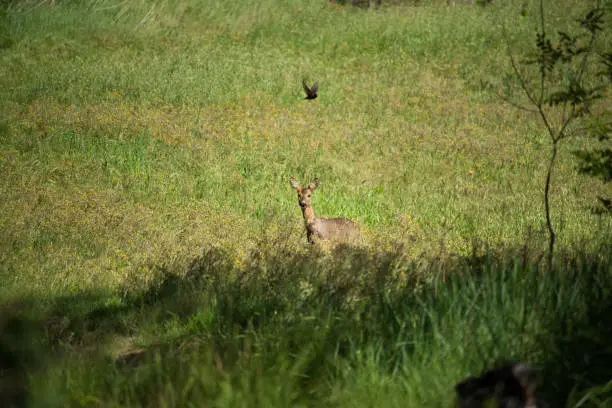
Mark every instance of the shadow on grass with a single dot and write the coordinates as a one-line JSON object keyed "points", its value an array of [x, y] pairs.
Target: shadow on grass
{"points": [[319, 312], [579, 339]]}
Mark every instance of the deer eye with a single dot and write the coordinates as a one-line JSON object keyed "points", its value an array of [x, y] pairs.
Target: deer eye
{"points": [[308, 196]]}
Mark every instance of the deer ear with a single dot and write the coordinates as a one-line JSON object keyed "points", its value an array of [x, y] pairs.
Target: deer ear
{"points": [[293, 184], [314, 184]]}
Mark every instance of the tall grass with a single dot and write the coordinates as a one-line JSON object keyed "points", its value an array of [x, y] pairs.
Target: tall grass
{"points": [[352, 328]]}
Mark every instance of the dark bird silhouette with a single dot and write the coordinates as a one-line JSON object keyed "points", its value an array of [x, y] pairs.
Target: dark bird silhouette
{"points": [[311, 93]]}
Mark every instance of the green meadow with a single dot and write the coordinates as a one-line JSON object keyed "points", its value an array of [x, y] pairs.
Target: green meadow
{"points": [[152, 252]]}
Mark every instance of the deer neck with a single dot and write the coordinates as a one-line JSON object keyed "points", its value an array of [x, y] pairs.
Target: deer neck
{"points": [[309, 216]]}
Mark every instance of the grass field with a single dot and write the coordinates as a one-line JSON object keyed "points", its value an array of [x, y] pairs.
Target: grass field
{"points": [[146, 214]]}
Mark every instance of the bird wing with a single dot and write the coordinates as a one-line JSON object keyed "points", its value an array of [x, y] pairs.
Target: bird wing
{"points": [[306, 89], [315, 88]]}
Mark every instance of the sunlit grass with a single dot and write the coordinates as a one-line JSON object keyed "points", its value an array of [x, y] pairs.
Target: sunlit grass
{"points": [[156, 113]]}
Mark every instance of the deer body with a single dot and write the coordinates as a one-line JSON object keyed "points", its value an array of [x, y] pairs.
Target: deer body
{"points": [[329, 229]]}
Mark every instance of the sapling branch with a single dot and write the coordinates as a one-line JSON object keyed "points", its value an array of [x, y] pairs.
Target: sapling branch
{"points": [[558, 106]]}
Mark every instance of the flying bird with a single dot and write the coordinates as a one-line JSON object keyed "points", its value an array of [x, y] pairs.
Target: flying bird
{"points": [[311, 93]]}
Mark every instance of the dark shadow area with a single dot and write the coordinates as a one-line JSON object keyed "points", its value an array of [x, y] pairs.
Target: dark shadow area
{"points": [[580, 341], [276, 303], [513, 384], [19, 353]]}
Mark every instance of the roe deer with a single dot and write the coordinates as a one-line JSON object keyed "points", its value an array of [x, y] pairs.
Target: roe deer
{"points": [[333, 229]]}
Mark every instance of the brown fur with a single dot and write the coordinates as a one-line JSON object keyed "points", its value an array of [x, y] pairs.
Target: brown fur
{"points": [[332, 229]]}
